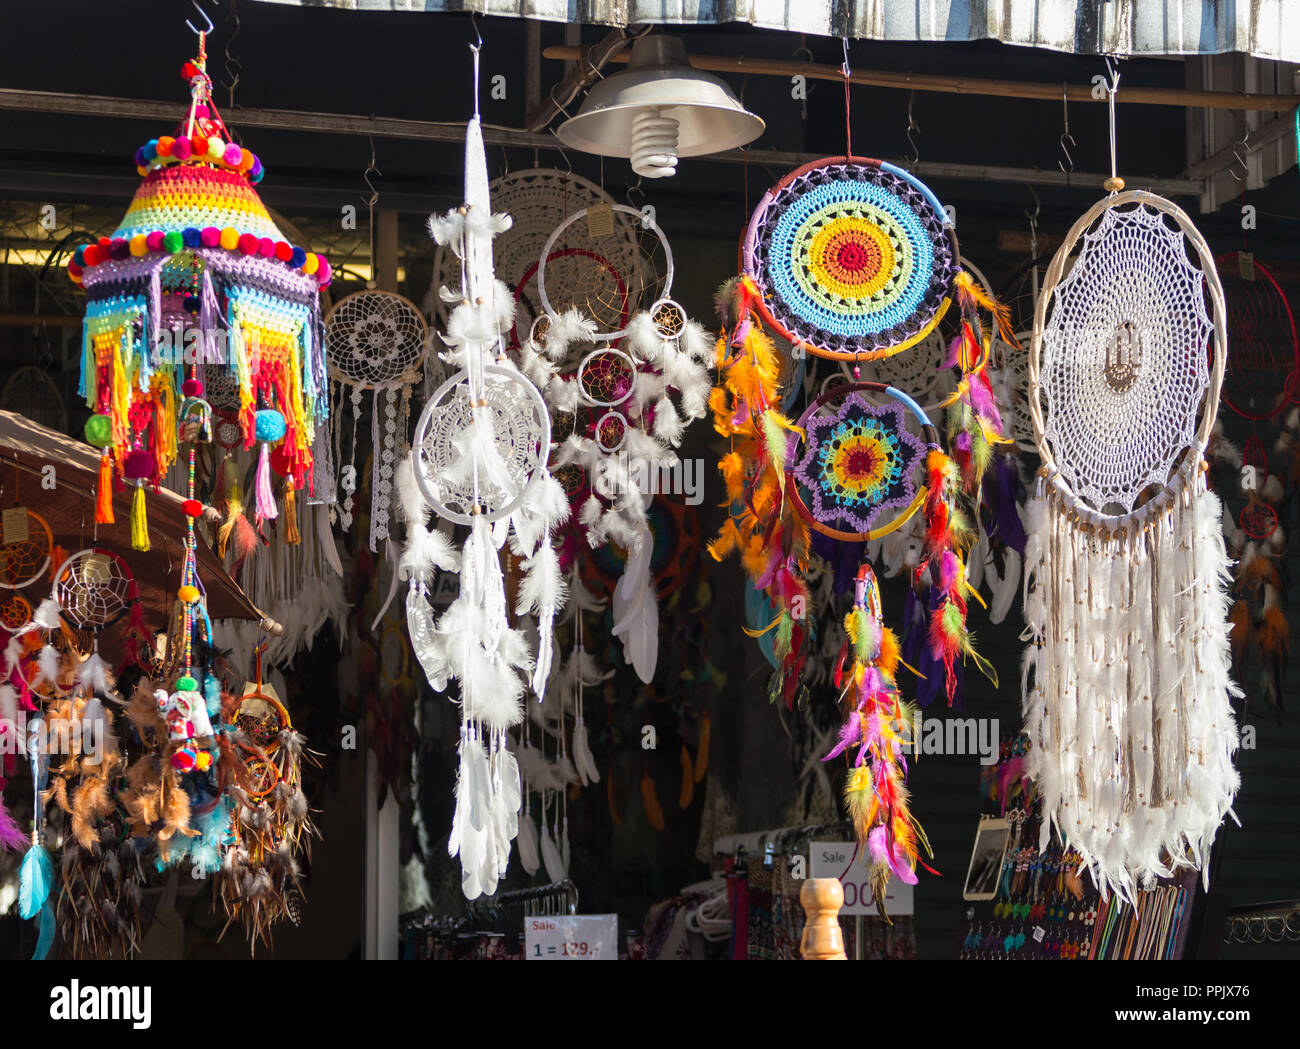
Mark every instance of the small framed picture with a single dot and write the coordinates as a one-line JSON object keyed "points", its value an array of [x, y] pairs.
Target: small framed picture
{"points": [[991, 840]]}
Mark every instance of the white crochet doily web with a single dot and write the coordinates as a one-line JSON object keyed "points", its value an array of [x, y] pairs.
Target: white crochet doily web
{"points": [[1125, 359], [375, 338]]}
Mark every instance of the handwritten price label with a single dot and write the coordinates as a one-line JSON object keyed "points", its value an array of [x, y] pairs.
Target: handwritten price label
{"points": [[571, 938], [830, 860]]}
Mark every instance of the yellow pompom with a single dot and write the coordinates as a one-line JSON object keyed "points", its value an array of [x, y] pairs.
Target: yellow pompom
{"points": [[230, 238], [188, 594], [138, 246], [311, 265]]}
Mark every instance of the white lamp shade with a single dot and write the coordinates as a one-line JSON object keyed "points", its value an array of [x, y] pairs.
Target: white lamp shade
{"points": [[658, 79]]}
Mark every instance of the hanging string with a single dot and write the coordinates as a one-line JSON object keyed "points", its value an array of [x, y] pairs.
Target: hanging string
{"points": [[475, 48], [848, 123], [1113, 184]]}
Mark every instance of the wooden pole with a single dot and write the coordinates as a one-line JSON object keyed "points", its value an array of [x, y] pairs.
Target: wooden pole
{"points": [[823, 940], [957, 85]]}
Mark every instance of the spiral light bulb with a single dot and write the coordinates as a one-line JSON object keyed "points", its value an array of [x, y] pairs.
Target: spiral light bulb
{"points": [[654, 144]]}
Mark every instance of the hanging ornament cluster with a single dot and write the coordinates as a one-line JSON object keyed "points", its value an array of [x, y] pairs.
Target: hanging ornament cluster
{"points": [[198, 284], [636, 354], [478, 459], [1127, 678], [853, 260]]}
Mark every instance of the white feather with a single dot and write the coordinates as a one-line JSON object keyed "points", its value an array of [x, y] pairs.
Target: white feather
{"points": [[636, 609]]}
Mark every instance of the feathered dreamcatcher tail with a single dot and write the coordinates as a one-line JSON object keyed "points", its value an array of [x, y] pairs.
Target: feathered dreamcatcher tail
{"points": [[479, 460], [879, 725], [763, 525]]}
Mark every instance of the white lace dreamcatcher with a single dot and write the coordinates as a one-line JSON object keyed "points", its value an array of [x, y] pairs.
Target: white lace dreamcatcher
{"points": [[375, 341], [479, 458], [1126, 687], [638, 352]]}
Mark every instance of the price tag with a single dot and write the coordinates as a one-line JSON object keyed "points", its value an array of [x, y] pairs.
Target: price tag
{"points": [[600, 221], [1039, 933], [15, 525], [1246, 265], [571, 938], [829, 860]]}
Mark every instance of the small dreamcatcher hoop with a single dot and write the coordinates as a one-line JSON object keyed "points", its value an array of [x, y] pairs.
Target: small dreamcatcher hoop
{"points": [[24, 561], [260, 774], [605, 377], [1264, 365], [521, 428], [1118, 379], [597, 311], [94, 588], [859, 461], [853, 258], [1258, 520], [15, 611], [375, 338], [260, 716]]}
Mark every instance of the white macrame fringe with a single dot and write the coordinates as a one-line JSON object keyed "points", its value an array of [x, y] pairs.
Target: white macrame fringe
{"points": [[1126, 685]]}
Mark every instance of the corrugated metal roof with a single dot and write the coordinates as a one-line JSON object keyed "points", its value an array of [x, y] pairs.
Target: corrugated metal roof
{"points": [[1265, 28]]}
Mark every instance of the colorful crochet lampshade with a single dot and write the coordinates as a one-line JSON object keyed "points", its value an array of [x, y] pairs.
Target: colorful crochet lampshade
{"points": [[198, 278]]}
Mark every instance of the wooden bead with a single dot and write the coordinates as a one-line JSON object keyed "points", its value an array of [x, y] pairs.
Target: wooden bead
{"points": [[823, 940], [1113, 184]]}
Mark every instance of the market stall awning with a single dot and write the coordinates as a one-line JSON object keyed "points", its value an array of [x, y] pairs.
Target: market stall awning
{"points": [[1117, 27], [69, 509]]}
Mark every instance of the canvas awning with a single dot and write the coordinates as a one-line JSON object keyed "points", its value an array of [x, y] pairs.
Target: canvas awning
{"points": [[1117, 27], [26, 448]]}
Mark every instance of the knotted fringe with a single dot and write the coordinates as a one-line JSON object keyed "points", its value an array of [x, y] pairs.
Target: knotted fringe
{"points": [[1126, 680]]}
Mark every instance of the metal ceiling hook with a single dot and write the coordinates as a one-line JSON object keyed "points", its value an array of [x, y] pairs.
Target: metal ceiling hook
{"points": [[195, 29]]}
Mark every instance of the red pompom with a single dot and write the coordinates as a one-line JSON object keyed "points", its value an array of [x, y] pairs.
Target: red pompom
{"points": [[91, 254], [283, 251], [192, 507], [248, 244], [280, 462], [192, 388]]}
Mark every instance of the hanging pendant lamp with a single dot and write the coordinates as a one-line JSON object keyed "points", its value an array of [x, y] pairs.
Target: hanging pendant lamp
{"points": [[659, 109]]}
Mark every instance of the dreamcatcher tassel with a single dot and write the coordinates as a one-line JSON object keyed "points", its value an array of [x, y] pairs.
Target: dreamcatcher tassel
{"points": [[264, 495], [291, 534], [104, 490], [139, 521]]}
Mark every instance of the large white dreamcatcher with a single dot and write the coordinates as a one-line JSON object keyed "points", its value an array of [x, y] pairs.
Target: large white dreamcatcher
{"points": [[1127, 686], [479, 458], [635, 353], [375, 341]]}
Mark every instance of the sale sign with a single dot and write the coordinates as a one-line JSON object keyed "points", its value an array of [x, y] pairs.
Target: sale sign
{"points": [[571, 938], [830, 859]]}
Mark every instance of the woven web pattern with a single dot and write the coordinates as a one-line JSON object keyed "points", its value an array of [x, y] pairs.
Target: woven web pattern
{"points": [[93, 589], [374, 338], [859, 460], [853, 258], [521, 433], [1125, 359]]}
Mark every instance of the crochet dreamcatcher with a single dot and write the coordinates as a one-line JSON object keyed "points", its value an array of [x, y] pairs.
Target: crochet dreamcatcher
{"points": [[376, 341], [853, 260], [1127, 682], [479, 459], [198, 283]]}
